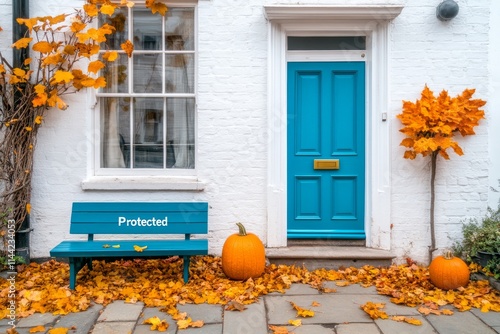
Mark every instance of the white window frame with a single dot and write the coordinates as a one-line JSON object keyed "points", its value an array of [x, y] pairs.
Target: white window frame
{"points": [[373, 22], [143, 178]]}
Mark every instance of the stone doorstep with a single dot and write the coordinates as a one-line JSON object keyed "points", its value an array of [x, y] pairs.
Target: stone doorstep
{"points": [[329, 257]]}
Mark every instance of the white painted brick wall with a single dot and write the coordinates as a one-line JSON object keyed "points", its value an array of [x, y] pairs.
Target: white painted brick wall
{"points": [[444, 55], [232, 125]]}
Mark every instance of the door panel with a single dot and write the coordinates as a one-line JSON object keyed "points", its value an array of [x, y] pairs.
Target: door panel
{"points": [[326, 120]]}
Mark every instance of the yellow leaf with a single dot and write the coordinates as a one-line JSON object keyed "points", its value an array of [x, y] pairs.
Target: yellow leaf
{"points": [[42, 47], [69, 50], [197, 324], [156, 7], [77, 26], [106, 246], [279, 329], [157, 324], [57, 19], [28, 128], [302, 312], [183, 324], [99, 83], [27, 61], [22, 43], [38, 119], [28, 208], [295, 323], [2, 69], [110, 56], [37, 329], [373, 310], [95, 66], [29, 23], [128, 47], [91, 10], [62, 76], [59, 330], [413, 321], [108, 9], [53, 59], [116, 246], [447, 312], [342, 283], [315, 304], [139, 248]]}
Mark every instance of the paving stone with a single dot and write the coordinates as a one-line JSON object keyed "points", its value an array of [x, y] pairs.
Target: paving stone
{"points": [[207, 312], [297, 289], [388, 326], [311, 329], [121, 311], [490, 318], [352, 289], [146, 329], [459, 323], [111, 327], [357, 329], [333, 309], [252, 320], [150, 312], [82, 321], [209, 329], [37, 319], [497, 329]]}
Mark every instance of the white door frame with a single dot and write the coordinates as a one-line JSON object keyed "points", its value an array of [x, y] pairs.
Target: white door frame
{"points": [[370, 21]]}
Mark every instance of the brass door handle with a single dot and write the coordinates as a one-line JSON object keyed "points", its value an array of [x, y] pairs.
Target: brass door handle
{"points": [[326, 164]]}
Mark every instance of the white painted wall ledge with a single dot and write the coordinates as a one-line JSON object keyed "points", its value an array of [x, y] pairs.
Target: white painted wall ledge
{"points": [[143, 183]]}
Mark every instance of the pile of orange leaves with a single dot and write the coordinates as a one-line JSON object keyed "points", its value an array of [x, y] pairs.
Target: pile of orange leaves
{"points": [[158, 283]]}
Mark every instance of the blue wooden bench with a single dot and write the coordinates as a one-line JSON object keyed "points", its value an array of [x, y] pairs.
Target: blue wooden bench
{"points": [[135, 218]]}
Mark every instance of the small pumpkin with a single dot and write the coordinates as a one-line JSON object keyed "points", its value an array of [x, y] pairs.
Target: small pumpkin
{"points": [[448, 272], [243, 255]]}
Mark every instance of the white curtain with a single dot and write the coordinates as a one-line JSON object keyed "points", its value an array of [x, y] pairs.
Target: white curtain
{"points": [[112, 152], [182, 109]]}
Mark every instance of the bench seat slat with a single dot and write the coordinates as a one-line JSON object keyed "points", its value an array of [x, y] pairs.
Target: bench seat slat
{"points": [[134, 207], [81, 248]]}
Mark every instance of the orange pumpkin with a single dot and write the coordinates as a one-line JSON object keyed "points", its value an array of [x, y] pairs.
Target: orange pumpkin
{"points": [[243, 255], [448, 272]]}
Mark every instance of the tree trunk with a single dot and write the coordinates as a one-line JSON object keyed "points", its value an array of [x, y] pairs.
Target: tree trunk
{"points": [[432, 247]]}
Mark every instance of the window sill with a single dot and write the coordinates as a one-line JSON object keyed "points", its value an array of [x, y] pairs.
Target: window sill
{"points": [[143, 183]]}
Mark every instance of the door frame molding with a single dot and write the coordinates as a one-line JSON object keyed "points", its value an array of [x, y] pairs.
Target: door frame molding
{"points": [[373, 22]]}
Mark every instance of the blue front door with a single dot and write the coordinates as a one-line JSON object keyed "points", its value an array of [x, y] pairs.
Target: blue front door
{"points": [[326, 150]]}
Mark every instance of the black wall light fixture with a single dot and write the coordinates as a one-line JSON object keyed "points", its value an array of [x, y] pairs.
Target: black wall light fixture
{"points": [[447, 10]]}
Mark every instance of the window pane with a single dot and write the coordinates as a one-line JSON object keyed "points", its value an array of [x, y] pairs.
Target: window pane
{"points": [[327, 43], [180, 133], [116, 75], [119, 21], [147, 73], [115, 132], [147, 30], [179, 73], [179, 22], [148, 133]]}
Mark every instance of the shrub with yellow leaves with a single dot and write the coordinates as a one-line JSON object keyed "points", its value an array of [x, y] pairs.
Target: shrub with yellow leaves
{"points": [[63, 49]]}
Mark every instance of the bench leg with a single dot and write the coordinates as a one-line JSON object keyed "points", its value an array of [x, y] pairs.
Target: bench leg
{"points": [[186, 268], [89, 263], [72, 273]]}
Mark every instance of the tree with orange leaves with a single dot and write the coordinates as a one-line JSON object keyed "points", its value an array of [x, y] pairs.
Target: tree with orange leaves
{"points": [[430, 124], [66, 58]]}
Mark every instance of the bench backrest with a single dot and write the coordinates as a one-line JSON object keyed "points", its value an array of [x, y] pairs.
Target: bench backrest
{"points": [[139, 218]]}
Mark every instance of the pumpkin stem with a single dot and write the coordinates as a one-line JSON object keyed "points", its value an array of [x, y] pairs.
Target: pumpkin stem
{"points": [[243, 231], [448, 254]]}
